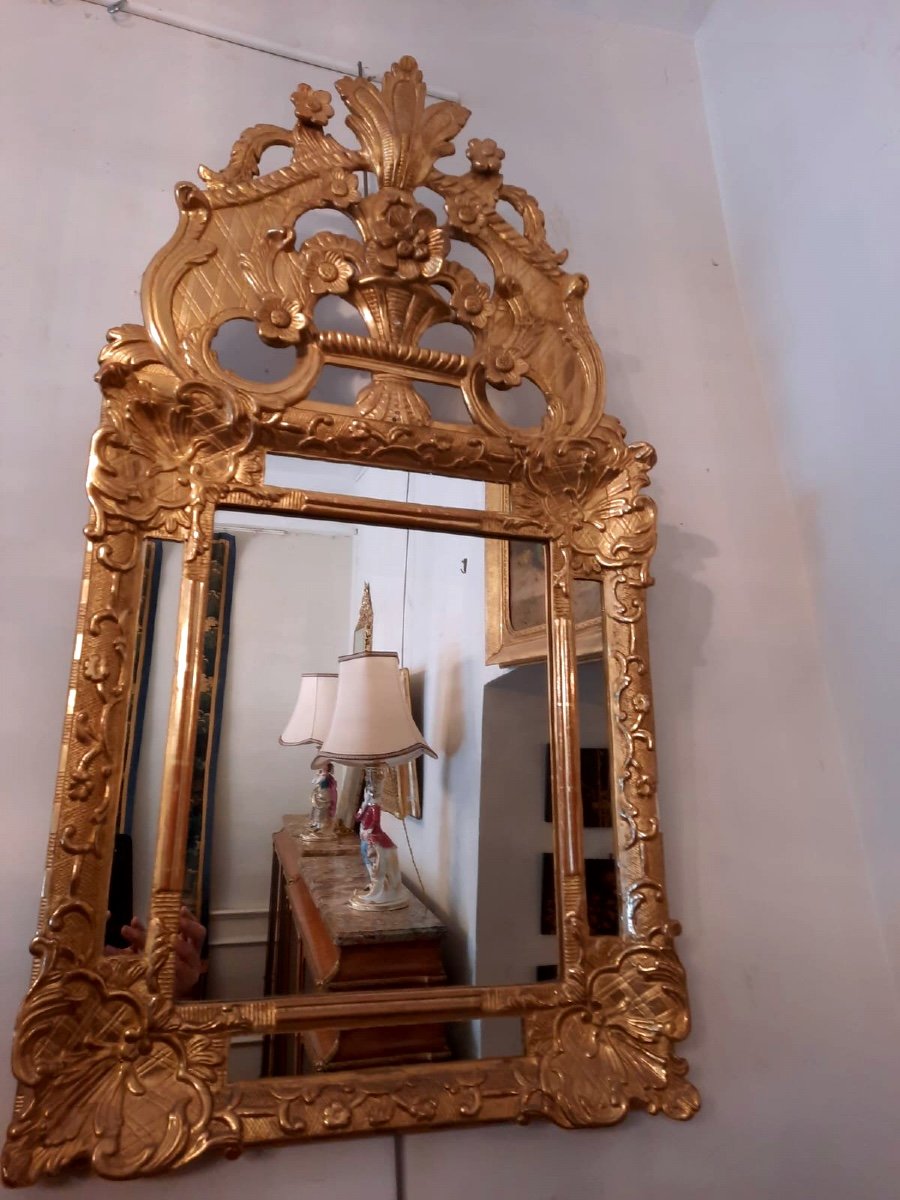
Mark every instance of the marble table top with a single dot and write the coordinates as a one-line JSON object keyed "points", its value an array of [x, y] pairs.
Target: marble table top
{"points": [[332, 880], [297, 825]]}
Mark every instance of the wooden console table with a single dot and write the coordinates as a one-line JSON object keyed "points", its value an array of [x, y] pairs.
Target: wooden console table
{"points": [[318, 943]]}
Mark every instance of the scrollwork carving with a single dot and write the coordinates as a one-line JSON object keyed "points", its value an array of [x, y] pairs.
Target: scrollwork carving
{"points": [[162, 454]]}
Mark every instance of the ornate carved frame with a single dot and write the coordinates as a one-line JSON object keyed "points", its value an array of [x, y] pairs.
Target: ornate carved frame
{"points": [[111, 1071]]}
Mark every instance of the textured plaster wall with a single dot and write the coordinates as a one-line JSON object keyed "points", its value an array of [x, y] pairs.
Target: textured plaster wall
{"points": [[803, 101], [794, 1023]]}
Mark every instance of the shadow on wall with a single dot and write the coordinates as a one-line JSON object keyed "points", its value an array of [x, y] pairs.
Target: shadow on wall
{"points": [[438, 839], [447, 730], [681, 609]]}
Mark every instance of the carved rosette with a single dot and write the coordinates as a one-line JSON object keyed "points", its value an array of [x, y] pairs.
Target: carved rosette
{"points": [[111, 1073]]}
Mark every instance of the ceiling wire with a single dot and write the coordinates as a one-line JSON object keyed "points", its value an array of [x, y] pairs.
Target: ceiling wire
{"points": [[120, 9]]}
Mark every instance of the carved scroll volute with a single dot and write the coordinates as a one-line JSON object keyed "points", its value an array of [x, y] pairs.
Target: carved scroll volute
{"points": [[400, 134]]}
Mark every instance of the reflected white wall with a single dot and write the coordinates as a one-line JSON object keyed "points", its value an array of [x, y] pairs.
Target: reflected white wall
{"points": [[290, 612], [440, 629]]}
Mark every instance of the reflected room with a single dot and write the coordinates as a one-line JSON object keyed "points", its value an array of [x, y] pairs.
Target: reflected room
{"points": [[370, 801]]}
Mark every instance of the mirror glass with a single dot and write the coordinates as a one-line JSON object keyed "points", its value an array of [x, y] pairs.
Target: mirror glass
{"points": [[275, 857]]}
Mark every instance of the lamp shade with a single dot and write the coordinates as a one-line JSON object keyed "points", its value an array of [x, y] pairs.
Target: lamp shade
{"points": [[372, 722], [312, 713]]}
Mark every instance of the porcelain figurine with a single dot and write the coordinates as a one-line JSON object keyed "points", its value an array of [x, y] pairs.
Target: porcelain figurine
{"points": [[323, 799], [379, 855]]}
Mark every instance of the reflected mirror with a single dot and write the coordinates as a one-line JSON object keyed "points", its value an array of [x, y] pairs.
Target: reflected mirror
{"points": [[279, 838]]}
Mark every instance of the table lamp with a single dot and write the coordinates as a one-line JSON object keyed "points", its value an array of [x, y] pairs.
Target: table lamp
{"points": [[372, 727], [307, 726]]}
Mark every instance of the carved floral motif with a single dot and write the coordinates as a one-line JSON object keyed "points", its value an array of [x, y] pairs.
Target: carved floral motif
{"points": [[485, 155], [504, 367], [281, 322], [406, 239], [472, 303], [326, 265], [312, 107]]}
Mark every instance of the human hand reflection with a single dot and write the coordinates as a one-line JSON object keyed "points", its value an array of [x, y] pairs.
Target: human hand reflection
{"points": [[188, 945]]}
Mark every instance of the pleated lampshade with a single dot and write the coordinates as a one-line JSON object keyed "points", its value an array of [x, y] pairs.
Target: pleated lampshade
{"points": [[372, 722], [312, 713]]}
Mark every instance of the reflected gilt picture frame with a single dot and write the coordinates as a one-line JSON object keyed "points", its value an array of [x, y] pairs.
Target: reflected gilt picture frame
{"points": [[514, 612]]}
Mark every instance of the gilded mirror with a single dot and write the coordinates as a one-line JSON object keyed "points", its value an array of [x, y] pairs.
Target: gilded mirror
{"points": [[429, 408]]}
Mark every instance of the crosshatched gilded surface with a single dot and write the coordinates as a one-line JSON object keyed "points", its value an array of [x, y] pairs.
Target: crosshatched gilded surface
{"points": [[111, 1071]]}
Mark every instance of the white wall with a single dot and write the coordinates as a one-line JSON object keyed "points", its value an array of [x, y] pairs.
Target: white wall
{"points": [[803, 101], [794, 1026], [290, 613]]}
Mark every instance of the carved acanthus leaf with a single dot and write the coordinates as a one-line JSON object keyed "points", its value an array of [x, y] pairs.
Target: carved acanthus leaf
{"points": [[401, 137], [129, 348], [588, 493], [243, 162], [158, 461], [613, 1051], [90, 1060]]}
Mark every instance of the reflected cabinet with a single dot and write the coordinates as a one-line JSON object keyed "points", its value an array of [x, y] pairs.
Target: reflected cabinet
{"points": [[359, 374]]}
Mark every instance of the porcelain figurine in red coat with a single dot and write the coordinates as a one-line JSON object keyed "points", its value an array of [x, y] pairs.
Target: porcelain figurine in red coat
{"points": [[379, 854]]}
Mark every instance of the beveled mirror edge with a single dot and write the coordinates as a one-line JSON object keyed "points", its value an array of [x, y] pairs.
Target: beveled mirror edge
{"points": [[175, 440]]}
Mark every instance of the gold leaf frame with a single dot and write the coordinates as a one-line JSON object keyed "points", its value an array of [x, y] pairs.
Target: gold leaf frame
{"points": [[112, 1072]]}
